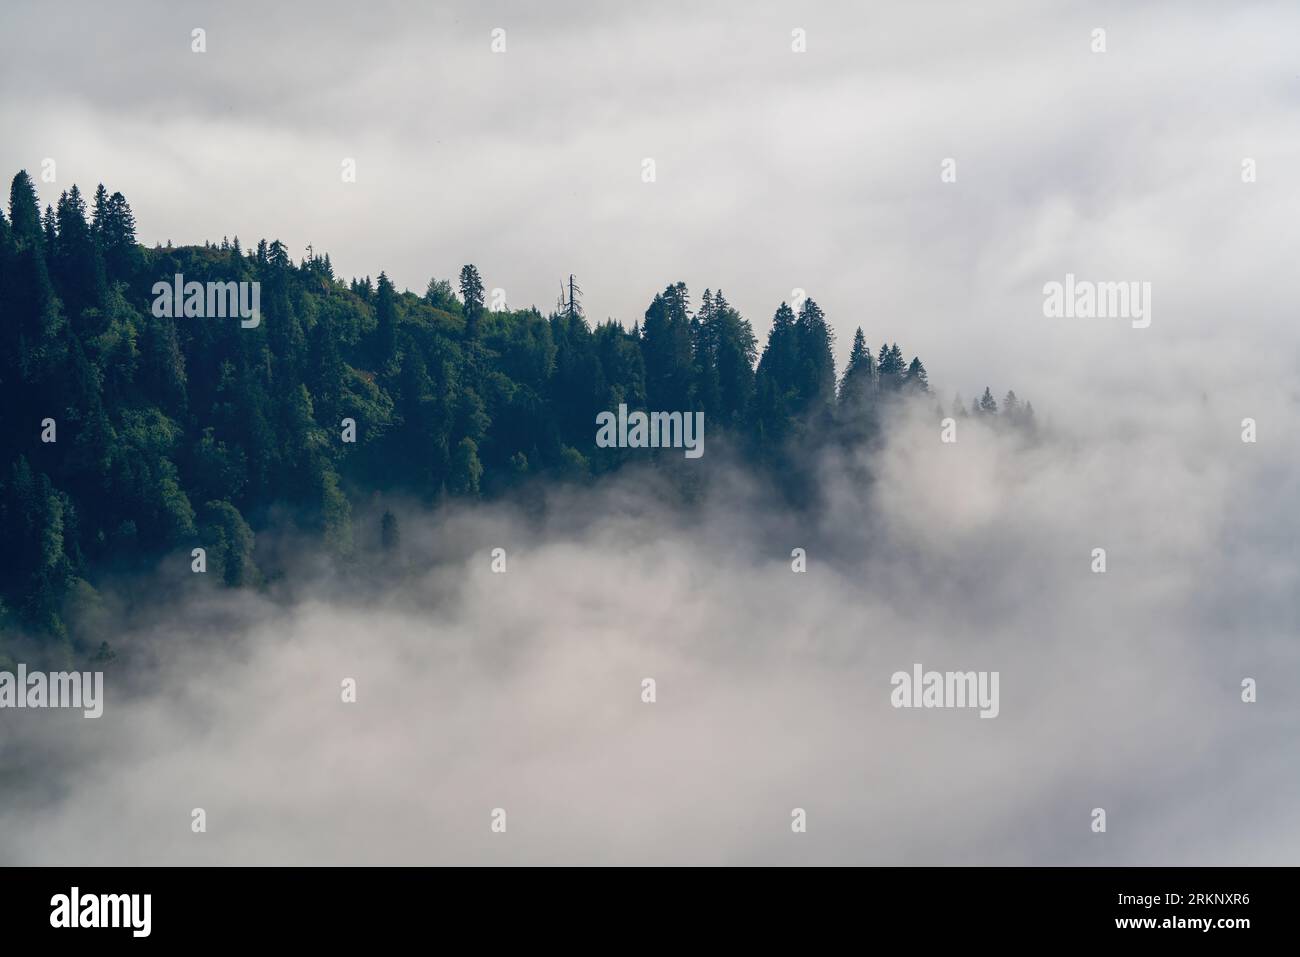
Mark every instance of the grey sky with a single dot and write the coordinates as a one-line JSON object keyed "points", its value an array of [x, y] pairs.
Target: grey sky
{"points": [[775, 170]]}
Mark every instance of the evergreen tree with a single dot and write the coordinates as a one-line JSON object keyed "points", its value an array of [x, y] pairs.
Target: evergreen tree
{"points": [[988, 405], [775, 387], [1011, 407], [440, 296], [277, 256], [79, 268], [578, 389], [50, 233], [858, 386], [386, 319], [734, 348], [471, 294], [815, 377], [916, 379], [229, 542], [117, 239], [466, 470], [667, 348], [704, 377], [890, 368], [24, 210], [100, 210]]}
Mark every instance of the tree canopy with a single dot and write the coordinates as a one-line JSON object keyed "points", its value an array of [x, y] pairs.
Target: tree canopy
{"points": [[168, 434]]}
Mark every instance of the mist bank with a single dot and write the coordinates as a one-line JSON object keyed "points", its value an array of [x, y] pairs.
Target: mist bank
{"points": [[522, 690]]}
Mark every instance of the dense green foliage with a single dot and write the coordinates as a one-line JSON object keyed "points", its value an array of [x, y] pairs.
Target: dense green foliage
{"points": [[171, 433]]}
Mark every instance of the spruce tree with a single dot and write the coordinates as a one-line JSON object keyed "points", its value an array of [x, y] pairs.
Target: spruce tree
{"points": [[440, 295], [1011, 407], [50, 234], [890, 368], [471, 294], [816, 370], [916, 379], [79, 267], [706, 387], [775, 388], [667, 348], [734, 351], [117, 239], [24, 210], [858, 385], [988, 405], [386, 319]]}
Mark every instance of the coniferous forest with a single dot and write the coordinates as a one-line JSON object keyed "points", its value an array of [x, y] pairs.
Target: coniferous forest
{"points": [[129, 437]]}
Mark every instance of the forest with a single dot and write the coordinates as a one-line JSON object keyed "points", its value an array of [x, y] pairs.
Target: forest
{"points": [[129, 436]]}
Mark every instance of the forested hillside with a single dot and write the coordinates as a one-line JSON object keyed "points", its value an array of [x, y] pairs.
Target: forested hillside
{"points": [[128, 436]]}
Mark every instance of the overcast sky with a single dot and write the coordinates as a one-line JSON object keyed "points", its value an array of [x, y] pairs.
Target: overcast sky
{"points": [[775, 170]]}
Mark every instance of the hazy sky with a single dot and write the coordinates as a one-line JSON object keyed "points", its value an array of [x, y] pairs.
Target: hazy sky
{"points": [[775, 170]]}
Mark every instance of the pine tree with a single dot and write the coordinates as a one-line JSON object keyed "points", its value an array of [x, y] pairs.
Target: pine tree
{"points": [[890, 368], [816, 370], [734, 350], [386, 316], [466, 470], [117, 239], [916, 379], [706, 387], [277, 256], [50, 234], [99, 210], [667, 348], [439, 294], [79, 268], [1011, 407], [24, 210], [858, 386], [471, 294], [775, 388], [988, 405]]}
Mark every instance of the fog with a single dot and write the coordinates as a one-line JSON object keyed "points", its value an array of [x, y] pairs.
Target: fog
{"points": [[522, 690], [777, 171]]}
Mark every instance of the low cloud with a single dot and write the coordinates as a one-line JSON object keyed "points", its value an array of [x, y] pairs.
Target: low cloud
{"points": [[522, 690]]}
